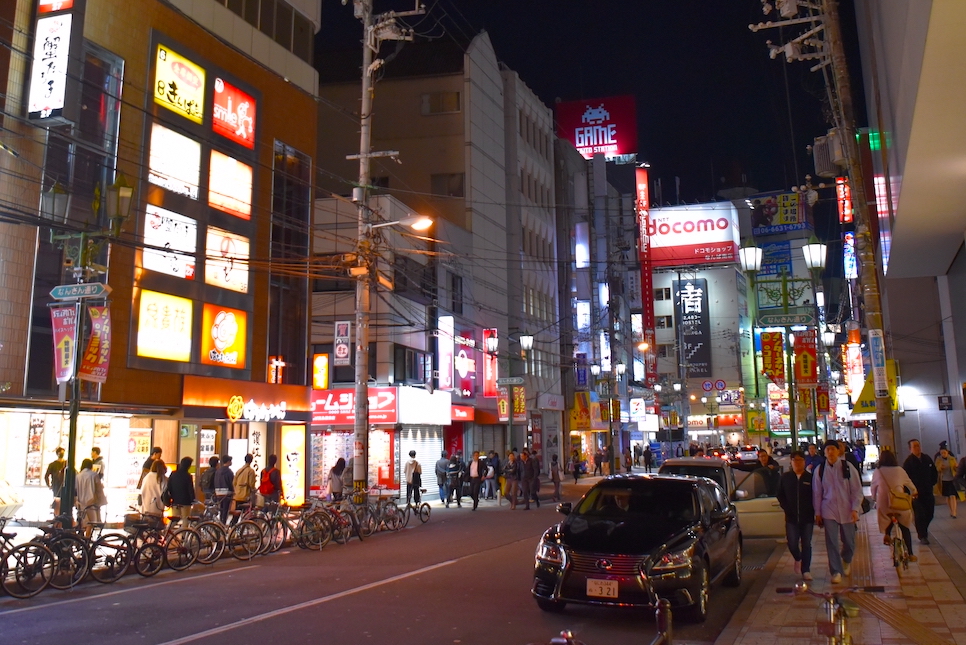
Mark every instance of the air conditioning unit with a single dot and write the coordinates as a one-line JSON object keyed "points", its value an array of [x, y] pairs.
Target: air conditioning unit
{"points": [[828, 154]]}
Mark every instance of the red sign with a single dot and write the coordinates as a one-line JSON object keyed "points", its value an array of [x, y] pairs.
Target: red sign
{"points": [[773, 357], [233, 114], [822, 398], [519, 403], [490, 368], [337, 407], [63, 321], [50, 6], [536, 428], [693, 234], [647, 279], [464, 363], [806, 358], [599, 126], [97, 358], [462, 412], [843, 193]]}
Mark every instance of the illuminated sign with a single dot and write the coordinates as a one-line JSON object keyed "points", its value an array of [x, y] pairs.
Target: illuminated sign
{"points": [[337, 407], [223, 336], [233, 114], [490, 366], [175, 161], [48, 71], [445, 346], [164, 326], [694, 234], [774, 213], [843, 194], [292, 464], [462, 413], [177, 235], [849, 260], [226, 260], [773, 356], [51, 6], [599, 126], [320, 372], [230, 185], [179, 84], [648, 320]]}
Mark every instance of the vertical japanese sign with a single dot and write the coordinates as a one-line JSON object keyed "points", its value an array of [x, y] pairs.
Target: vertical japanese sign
{"points": [[772, 357], [503, 404], [694, 326], [806, 358], [854, 370], [843, 194], [647, 278], [581, 382], [97, 357], [292, 464], [878, 359], [518, 402], [445, 349], [64, 327], [490, 371], [341, 352], [822, 398], [536, 431]]}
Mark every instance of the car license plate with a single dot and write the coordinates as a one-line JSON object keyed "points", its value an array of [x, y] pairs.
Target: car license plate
{"points": [[597, 588]]}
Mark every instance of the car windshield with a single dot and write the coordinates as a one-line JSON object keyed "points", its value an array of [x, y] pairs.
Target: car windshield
{"points": [[714, 474], [647, 502], [756, 484]]}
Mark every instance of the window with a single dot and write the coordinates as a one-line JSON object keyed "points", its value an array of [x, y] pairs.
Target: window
{"points": [[440, 103], [665, 351], [455, 293], [410, 279], [412, 365], [664, 322], [266, 21], [447, 185], [302, 37], [662, 293], [283, 25]]}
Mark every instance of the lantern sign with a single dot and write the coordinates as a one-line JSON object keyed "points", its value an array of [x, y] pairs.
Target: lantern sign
{"points": [[57, 64]]}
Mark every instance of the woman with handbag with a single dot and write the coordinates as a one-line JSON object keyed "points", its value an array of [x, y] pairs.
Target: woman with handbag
{"points": [[893, 492], [946, 466]]}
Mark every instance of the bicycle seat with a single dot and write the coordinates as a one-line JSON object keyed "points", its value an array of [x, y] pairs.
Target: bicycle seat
{"points": [[194, 518], [7, 536], [96, 525]]}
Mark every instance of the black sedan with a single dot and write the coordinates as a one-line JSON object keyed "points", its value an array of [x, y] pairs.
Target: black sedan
{"points": [[635, 538]]}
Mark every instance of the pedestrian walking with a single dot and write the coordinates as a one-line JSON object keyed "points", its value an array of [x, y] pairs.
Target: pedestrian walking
{"points": [[648, 458], [794, 494], [54, 478], [475, 470], [537, 473], [837, 497], [454, 478], [627, 458], [99, 465], [859, 452], [244, 483], [922, 471], [89, 496], [458, 490], [414, 478], [441, 464], [270, 484], [224, 486], [813, 458], [555, 476], [151, 489], [336, 485], [637, 454], [497, 471], [598, 461], [893, 492], [527, 475], [946, 470], [511, 473], [181, 487], [489, 480]]}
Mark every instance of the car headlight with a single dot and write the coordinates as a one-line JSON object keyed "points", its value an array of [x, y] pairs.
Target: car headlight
{"points": [[674, 560], [550, 552]]}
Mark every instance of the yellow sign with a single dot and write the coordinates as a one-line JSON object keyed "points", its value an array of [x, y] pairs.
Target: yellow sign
{"points": [[320, 372], [235, 409], [179, 84], [164, 326], [292, 464], [866, 401]]}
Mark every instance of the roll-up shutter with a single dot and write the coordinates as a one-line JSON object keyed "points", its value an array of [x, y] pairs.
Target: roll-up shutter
{"points": [[427, 441]]}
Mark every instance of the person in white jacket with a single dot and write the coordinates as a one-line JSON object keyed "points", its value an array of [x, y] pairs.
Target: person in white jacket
{"points": [[891, 477], [90, 496], [414, 478], [151, 488]]}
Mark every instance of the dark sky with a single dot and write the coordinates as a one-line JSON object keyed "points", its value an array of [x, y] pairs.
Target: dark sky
{"points": [[710, 102]]}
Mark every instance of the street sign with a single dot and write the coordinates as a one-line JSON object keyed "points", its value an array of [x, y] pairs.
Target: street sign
{"points": [[945, 402], [82, 290], [720, 385], [707, 386], [783, 320], [510, 380]]}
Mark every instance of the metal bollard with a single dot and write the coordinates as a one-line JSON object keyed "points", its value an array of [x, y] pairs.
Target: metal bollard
{"points": [[662, 619]]}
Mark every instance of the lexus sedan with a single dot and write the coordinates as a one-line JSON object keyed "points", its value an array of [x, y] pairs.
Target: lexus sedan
{"points": [[635, 538]]}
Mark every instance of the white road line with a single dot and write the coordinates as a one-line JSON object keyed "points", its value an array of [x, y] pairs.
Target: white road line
{"points": [[120, 591], [309, 603]]}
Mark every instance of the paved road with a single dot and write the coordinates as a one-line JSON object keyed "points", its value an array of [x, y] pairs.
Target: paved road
{"points": [[462, 578]]}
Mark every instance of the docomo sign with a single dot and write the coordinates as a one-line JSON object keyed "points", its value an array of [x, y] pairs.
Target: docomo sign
{"points": [[698, 234], [337, 407], [599, 126]]}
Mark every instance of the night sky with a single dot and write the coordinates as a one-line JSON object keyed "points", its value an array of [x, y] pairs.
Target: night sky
{"points": [[713, 108]]}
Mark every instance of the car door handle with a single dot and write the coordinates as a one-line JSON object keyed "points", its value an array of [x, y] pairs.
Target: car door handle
{"points": [[776, 504]]}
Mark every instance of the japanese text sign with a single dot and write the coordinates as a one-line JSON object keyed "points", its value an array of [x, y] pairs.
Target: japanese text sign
{"points": [[773, 357], [64, 327], [48, 71], [179, 84], [164, 326], [97, 358], [806, 358]]}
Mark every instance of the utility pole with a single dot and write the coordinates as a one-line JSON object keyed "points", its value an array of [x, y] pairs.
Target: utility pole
{"points": [[823, 43], [375, 30]]}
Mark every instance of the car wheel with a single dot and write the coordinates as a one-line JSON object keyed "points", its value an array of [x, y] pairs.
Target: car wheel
{"points": [[554, 606], [733, 578], [698, 612]]}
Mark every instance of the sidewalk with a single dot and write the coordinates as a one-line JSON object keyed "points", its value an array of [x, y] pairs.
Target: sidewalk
{"points": [[926, 602]]}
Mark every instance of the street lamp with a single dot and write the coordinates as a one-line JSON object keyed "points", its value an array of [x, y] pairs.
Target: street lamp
{"points": [[595, 369]]}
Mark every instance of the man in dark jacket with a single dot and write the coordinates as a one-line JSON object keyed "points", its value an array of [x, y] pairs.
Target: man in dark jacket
{"points": [[475, 470], [224, 487], [441, 465], [454, 481], [767, 467], [527, 475], [182, 488], [922, 472], [794, 494]]}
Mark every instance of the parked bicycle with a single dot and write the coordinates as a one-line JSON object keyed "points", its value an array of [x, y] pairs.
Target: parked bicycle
{"points": [[25, 569], [159, 545], [835, 627]]}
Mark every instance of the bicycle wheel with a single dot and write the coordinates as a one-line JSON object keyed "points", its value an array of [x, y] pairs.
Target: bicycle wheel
{"points": [[26, 570], [278, 534], [244, 540], [365, 521], [149, 559], [266, 543], [71, 560], [341, 529], [110, 557], [316, 530], [405, 513], [182, 548], [424, 511], [212, 542], [392, 516]]}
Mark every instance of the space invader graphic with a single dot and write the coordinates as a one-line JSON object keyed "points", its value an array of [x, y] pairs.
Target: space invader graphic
{"points": [[595, 116]]}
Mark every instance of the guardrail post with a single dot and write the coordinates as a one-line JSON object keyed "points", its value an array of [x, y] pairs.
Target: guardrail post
{"points": [[662, 619]]}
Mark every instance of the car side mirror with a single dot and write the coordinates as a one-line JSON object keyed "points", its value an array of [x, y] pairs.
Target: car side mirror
{"points": [[720, 516], [741, 494], [564, 508]]}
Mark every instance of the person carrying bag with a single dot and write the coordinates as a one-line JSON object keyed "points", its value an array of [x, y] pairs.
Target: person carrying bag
{"points": [[893, 492]]}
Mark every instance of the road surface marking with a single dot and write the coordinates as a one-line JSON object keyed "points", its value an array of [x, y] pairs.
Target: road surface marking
{"points": [[120, 591], [310, 603]]}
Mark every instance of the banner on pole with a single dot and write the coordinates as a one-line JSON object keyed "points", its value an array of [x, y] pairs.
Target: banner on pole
{"points": [[773, 357], [647, 279], [822, 398], [341, 350], [97, 357], [63, 322], [806, 358]]}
